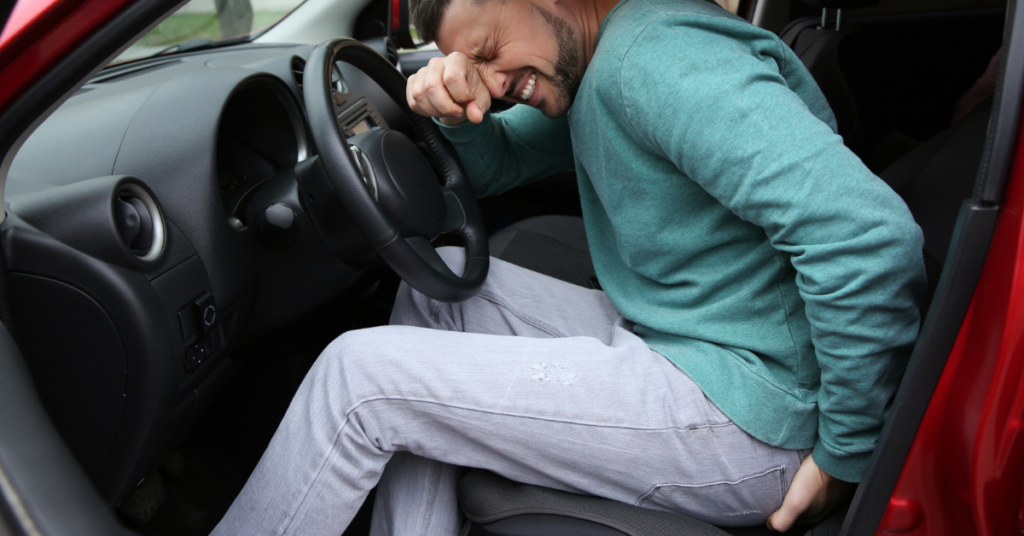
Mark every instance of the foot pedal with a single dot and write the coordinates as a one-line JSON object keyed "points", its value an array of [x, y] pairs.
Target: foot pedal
{"points": [[140, 505]]}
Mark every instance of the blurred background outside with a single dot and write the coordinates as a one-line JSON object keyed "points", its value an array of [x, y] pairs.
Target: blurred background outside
{"points": [[217, 20], [212, 20]]}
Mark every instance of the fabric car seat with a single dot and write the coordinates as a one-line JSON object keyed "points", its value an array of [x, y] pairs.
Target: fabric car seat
{"points": [[819, 48], [934, 179]]}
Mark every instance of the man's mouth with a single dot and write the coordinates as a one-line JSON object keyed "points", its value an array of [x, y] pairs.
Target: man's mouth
{"points": [[527, 91]]}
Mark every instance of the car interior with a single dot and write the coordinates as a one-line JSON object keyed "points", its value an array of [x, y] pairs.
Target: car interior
{"points": [[178, 249]]}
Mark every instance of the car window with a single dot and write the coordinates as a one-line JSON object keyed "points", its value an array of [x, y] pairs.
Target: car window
{"points": [[209, 21], [911, 6], [730, 5]]}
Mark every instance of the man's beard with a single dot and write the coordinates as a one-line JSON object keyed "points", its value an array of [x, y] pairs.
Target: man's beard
{"points": [[568, 67]]}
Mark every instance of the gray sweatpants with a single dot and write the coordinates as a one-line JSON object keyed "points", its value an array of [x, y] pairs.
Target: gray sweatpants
{"points": [[535, 379]]}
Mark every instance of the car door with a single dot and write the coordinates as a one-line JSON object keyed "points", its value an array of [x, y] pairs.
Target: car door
{"points": [[48, 49]]}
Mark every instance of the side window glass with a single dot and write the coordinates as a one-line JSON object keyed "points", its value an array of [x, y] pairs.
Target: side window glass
{"points": [[912, 6]]}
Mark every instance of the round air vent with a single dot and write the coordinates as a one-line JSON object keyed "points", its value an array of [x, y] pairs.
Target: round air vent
{"points": [[139, 221]]}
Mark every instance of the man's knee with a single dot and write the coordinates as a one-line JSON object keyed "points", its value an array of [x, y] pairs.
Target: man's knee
{"points": [[373, 363], [353, 350], [361, 355]]}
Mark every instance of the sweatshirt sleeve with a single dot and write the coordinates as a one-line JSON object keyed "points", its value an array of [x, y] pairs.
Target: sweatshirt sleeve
{"points": [[511, 148], [747, 138]]}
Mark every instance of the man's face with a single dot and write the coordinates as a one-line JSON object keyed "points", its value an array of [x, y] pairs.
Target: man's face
{"points": [[524, 52]]}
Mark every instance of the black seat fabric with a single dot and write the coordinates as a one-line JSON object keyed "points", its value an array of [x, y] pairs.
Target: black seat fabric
{"points": [[497, 506], [936, 178], [552, 245], [818, 49], [500, 506]]}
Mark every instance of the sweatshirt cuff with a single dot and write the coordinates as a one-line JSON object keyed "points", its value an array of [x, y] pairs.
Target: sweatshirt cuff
{"points": [[465, 131], [841, 465]]}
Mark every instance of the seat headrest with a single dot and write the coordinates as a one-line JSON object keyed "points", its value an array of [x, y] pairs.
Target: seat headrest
{"points": [[840, 4]]}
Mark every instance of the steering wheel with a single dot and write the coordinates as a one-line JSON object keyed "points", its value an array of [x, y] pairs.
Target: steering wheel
{"points": [[387, 185]]}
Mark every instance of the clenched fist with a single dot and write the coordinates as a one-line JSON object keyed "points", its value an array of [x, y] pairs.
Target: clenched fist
{"points": [[449, 88]]}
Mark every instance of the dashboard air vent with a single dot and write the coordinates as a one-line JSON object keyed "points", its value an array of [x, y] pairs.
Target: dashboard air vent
{"points": [[392, 52], [298, 65], [139, 222]]}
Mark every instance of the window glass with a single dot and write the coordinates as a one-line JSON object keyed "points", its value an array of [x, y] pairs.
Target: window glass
{"points": [[210, 20], [911, 6]]}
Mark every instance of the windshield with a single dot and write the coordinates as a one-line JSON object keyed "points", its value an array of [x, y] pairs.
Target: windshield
{"points": [[207, 22]]}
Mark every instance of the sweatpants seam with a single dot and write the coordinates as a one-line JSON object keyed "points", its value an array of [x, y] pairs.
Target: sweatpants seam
{"points": [[435, 315], [319, 473], [537, 323], [432, 498], [782, 484], [545, 419]]}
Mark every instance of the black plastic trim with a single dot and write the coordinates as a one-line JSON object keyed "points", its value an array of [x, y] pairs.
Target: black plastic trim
{"points": [[42, 488], [1004, 125]]}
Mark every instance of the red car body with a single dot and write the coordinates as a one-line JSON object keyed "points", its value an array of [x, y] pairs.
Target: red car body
{"points": [[964, 474]]}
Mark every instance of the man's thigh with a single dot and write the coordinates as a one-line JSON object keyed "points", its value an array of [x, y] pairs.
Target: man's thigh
{"points": [[609, 418]]}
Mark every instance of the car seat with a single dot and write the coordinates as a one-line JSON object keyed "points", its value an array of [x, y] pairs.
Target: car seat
{"points": [[818, 46], [934, 179]]}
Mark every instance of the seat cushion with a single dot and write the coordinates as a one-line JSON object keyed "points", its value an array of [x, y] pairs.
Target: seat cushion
{"points": [[497, 506], [501, 506], [552, 245]]}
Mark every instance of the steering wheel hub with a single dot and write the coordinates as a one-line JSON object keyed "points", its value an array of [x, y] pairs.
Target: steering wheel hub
{"points": [[408, 189]]}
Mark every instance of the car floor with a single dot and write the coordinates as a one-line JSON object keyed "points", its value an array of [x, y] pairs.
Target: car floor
{"points": [[206, 472]]}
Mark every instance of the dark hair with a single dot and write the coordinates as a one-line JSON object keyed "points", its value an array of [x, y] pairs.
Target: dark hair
{"points": [[426, 16]]}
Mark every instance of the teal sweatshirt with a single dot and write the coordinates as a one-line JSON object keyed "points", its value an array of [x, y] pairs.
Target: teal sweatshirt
{"points": [[728, 221]]}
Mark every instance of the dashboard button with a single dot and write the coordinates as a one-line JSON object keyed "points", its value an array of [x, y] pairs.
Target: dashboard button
{"points": [[187, 322], [205, 311]]}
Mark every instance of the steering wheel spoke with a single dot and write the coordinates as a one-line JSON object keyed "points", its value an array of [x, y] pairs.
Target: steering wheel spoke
{"points": [[455, 215], [425, 249]]}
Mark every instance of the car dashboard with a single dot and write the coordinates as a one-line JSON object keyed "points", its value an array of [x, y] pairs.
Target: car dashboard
{"points": [[143, 246]]}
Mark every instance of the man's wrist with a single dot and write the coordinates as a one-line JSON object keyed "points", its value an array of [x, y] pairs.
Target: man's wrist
{"points": [[845, 467], [452, 121]]}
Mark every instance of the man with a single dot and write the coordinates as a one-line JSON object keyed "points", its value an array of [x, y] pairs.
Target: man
{"points": [[760, 289]]}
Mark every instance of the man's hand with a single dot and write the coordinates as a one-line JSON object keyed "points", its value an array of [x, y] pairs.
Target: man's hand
{"points": [[449, 88], [813, 495]]}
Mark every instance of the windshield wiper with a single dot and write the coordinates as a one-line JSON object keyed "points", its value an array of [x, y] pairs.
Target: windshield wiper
{"points": [[201, 44]]}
